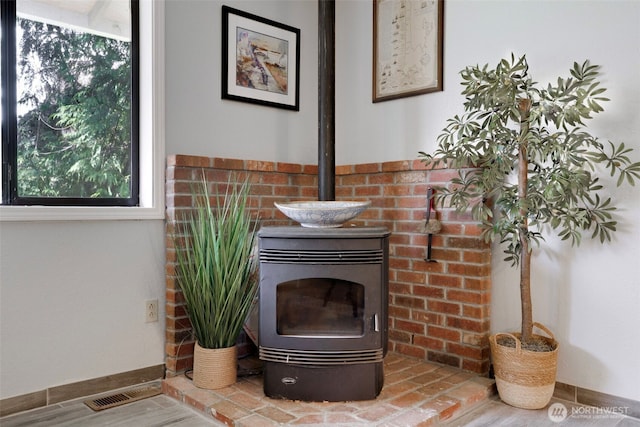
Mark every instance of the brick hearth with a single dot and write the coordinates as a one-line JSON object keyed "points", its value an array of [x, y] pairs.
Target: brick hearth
{"points": [[416, 393]]}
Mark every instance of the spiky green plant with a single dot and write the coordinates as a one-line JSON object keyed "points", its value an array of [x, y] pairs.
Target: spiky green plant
{"points": [[526, 161], [216, 269]]}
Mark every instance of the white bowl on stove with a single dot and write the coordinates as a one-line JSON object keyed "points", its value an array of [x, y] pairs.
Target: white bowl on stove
{"points": [[323, 213]]}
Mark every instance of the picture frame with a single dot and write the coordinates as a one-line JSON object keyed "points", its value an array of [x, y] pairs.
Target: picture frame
{"points": [[407, 48], [260, 60]]}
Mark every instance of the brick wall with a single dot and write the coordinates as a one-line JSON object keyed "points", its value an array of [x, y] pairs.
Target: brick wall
{"points": [[438, 311]]}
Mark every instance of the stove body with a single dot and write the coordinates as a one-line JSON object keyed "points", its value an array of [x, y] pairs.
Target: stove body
{"points": [[323, 312]]}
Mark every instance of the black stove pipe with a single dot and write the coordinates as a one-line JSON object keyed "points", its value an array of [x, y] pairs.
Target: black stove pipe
{"points": [[326, 100]]}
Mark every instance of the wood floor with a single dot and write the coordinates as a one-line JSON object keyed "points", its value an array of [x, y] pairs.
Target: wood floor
{"points": [[494, 413], [155, 411], [164, 411]]}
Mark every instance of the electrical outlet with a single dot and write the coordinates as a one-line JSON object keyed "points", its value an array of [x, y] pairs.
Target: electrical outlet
{"points": [[151, 310]]}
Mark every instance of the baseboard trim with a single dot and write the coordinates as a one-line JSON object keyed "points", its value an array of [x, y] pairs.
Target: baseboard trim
{"points": [[75, 390], [571, 393]]}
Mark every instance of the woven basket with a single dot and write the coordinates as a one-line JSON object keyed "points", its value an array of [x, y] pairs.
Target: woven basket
{"points": [[214, 368], [525, 379]]}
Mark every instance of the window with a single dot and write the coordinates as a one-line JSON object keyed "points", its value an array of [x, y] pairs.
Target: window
{"points": [[70, 108]]}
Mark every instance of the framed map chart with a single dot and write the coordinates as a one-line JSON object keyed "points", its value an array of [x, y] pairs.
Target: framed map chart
{"points": [[407, 48]]}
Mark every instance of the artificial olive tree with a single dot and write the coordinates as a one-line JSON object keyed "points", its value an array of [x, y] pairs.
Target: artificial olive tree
{"points": [[527, 162]]}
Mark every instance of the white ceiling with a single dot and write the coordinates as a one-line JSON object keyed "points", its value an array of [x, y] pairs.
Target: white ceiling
{"points": [[108, 18]]}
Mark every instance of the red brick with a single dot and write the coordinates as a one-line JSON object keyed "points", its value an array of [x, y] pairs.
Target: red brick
{"points": [[452, 229], [465, 351], [289, 168], [475, 312], [400, 312], [301, 180], [444, 333], [418, 164], [274, 179], [444, 307], [466, 243], [399, 263], [285, 191], [411, 177], [232, 164], [188, 161], [444, 280], [482, 284], [476, 257], [180, 349], [472, 230], [368, 168], [213, 175], [443, 175], [428, 291], [310, 169], [429, 343], [407, 301], [178, 324], [344, 170], [370, 190], [413, 327], [179, 200], [441, 254], [309, 193], [399, 336], [468, 324], [392, 190], [381, 178], [411, 350], [396, 166], [409, 252], [400, 288], [418, 239], [446, 359], [467, 296], [480, 367], [260, 166], [469, 270], [427, 317], [411, 277]]}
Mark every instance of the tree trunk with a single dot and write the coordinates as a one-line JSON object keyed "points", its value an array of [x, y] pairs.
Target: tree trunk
{"points": [[524, 106]]}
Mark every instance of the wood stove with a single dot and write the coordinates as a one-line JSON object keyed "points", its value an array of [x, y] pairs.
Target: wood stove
{"points": [[323, 312]]}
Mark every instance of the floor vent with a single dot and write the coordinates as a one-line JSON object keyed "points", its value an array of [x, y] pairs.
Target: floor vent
{"points": [[121, 398]]}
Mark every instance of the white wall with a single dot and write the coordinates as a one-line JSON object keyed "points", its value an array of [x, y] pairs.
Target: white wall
{"points": [[588, 296], [79, 287], [200, 123], [72, 301]]}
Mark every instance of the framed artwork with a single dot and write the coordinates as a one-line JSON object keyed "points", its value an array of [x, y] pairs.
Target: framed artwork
{"points": [[407, 48], [260, 60]]}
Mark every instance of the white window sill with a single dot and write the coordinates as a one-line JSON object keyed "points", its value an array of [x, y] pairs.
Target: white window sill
{"points": [[78, 213]]}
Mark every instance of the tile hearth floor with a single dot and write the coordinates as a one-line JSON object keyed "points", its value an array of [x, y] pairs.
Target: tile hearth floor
{"points": [[415, 393]]}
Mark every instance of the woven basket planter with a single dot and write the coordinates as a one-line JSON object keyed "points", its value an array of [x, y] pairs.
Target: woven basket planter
{"points": [[525, 379], [214, 368]]}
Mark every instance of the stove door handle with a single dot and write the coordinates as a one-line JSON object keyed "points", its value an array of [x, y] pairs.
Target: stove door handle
{"points": [[376, 326]]}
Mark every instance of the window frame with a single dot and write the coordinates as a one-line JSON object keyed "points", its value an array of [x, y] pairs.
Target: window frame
{"points": [[10, 196], [151, 143]]}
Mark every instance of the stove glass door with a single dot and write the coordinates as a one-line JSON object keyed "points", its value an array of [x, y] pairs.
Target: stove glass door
{"points": [[320, 307]]}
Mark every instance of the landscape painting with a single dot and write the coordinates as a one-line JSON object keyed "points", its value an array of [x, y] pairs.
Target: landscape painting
{"points": [[260, 60]]}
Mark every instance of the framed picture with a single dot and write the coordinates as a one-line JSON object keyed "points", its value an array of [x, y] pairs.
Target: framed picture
{"points": [[407, 48], [260, 60]]}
